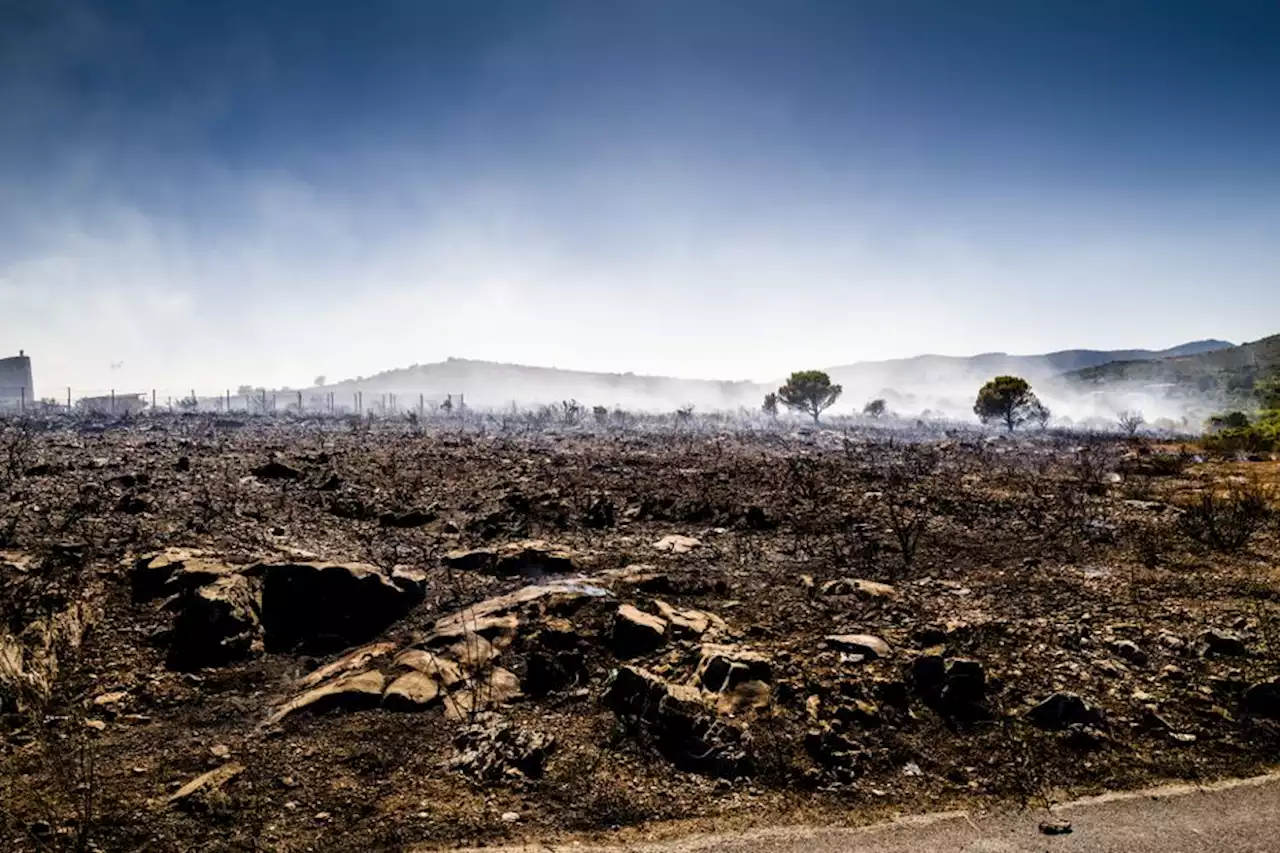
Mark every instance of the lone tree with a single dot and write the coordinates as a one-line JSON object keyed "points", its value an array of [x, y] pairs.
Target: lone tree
{"points": [[875, 409], [1007, 400], [770, 405], [809, 391]]}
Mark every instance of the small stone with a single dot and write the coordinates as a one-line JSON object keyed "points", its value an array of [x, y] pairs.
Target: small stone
{"points": [[864, 589], [1062, 710], [1224, 643], [676, 544], [510, 817], [220, 750], [868, 646], [321, 817], [95, 725], [207, 783], [1129, 651]]}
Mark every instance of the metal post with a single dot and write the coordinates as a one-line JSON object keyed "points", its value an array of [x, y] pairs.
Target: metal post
{"points": [[68, 399], [153, 399], [113, 401]]}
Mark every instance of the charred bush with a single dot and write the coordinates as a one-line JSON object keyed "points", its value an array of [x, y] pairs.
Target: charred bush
{"points": [[1227, 522]]}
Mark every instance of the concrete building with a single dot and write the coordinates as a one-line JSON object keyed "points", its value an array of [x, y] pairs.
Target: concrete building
{"points": [[118, 404], [16, 384]]}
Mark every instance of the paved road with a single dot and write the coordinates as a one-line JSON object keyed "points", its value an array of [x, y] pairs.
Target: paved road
{"points": [[1233, 817]]}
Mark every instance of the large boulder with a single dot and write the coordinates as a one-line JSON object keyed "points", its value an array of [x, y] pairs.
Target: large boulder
{"points": [[1263, 700], [723, 668], [1062, 710], [636, 633], [320, 607], [687, 623], [216, 623], [681, 721]]}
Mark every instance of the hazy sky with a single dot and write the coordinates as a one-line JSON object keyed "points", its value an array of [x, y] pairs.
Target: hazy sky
{"points": [[214, 192]]}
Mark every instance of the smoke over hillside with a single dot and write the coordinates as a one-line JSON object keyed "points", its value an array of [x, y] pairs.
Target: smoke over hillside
{"points": [[925, 386]]}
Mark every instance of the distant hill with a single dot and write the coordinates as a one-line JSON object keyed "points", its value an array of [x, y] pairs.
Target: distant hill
{"points": [[943, 369], [488, 384], [1231, 371], [911, 384]]}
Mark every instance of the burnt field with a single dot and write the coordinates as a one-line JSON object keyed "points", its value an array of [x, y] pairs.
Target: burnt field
{"points": [[282, 635]]}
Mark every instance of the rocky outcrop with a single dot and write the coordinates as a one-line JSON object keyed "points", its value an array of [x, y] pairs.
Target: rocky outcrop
{"points": [[681, 721], [454, 668], [529, 558], [348, 692], [225, 612], [320, 607], [216, 623]]}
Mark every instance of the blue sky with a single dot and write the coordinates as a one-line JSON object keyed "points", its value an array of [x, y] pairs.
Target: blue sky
{"points": [[219, 192]]}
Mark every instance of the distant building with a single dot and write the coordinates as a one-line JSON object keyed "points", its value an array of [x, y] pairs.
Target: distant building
{"points": [[120, 404], [16, 384]]}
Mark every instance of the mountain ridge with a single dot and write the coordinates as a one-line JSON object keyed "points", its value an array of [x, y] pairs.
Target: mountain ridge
{"points": [[496, 384]]}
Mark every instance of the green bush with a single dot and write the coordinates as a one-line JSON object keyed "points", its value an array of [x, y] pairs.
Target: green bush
{"points": [[1232, 436]]}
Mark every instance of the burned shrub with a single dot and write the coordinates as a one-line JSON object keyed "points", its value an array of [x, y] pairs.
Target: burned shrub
{"points": [[1227, 522]]}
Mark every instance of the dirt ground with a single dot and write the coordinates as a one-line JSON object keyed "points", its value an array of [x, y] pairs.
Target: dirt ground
{"points": [[720, 626]]}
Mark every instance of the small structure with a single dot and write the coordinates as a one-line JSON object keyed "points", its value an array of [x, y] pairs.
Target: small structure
{"points": [[116, 404], [16, 385]]}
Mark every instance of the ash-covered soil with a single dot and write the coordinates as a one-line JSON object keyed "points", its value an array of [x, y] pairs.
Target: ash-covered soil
{"points": [[353, 636]]}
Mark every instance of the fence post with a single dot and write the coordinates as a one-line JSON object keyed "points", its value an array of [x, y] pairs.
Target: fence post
{"points": [[153, 400], [113, 401], [68, 399]]}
